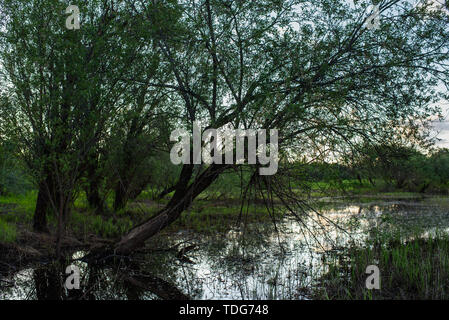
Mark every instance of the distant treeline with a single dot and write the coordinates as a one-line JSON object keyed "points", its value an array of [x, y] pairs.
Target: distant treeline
{"points": [[386, 167]]}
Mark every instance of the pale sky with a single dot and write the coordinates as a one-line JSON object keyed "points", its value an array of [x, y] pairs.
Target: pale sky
{"points": [[443, 129]]}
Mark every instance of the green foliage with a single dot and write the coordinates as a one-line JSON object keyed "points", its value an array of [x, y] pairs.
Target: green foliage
{"points": [[439, 162], [92, 109], [12, 177], [60, 89], [401, 167], [22, 207]]}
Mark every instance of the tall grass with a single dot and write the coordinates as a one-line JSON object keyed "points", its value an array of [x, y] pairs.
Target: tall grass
{"points": [[8, 232], [414, 269]]}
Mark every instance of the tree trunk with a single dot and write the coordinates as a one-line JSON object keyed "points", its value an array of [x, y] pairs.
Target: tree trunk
{"points": [[50, 200], [93, 197], [120, 198], [165, 192], [359, 178], [137, 236], [400, 183], [182, 199], [94, 181], [42, 207]]}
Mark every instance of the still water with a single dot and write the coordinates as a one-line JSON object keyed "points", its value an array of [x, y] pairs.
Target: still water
{"points": [[251, 262]]}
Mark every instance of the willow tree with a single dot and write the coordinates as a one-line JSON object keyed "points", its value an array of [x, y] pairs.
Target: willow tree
{"points": [[317, 71], [62, 88]]}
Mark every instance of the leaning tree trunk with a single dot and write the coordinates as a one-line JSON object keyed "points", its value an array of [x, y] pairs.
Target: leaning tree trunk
{"points": [[182, 199], [137, 236], [165, 192]]}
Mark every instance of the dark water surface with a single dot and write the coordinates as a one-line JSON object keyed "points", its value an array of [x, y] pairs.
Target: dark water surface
{"points": [[255, 263]]}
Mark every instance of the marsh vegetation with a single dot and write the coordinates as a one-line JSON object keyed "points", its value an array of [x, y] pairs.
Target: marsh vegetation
{"points": [[87, 177]]}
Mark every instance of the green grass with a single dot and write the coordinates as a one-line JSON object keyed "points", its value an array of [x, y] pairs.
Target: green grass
{"points": [[413, 269], [8, 232], [26, 202], [207, 214], [204, 217], [85, 223], [20, 207]]}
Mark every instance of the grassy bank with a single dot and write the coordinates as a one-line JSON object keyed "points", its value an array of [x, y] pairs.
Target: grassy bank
{"points": [[414, 269], [8, 232], [207, 214]]}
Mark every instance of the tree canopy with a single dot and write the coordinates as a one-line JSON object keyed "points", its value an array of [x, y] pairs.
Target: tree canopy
{"points": [[136, 68]]}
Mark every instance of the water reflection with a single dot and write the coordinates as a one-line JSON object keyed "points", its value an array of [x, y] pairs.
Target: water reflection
{"points": [[256, 264]]}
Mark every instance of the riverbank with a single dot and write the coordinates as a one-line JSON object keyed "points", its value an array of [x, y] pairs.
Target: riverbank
{"points": [[286, 262], [414, 269]]}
